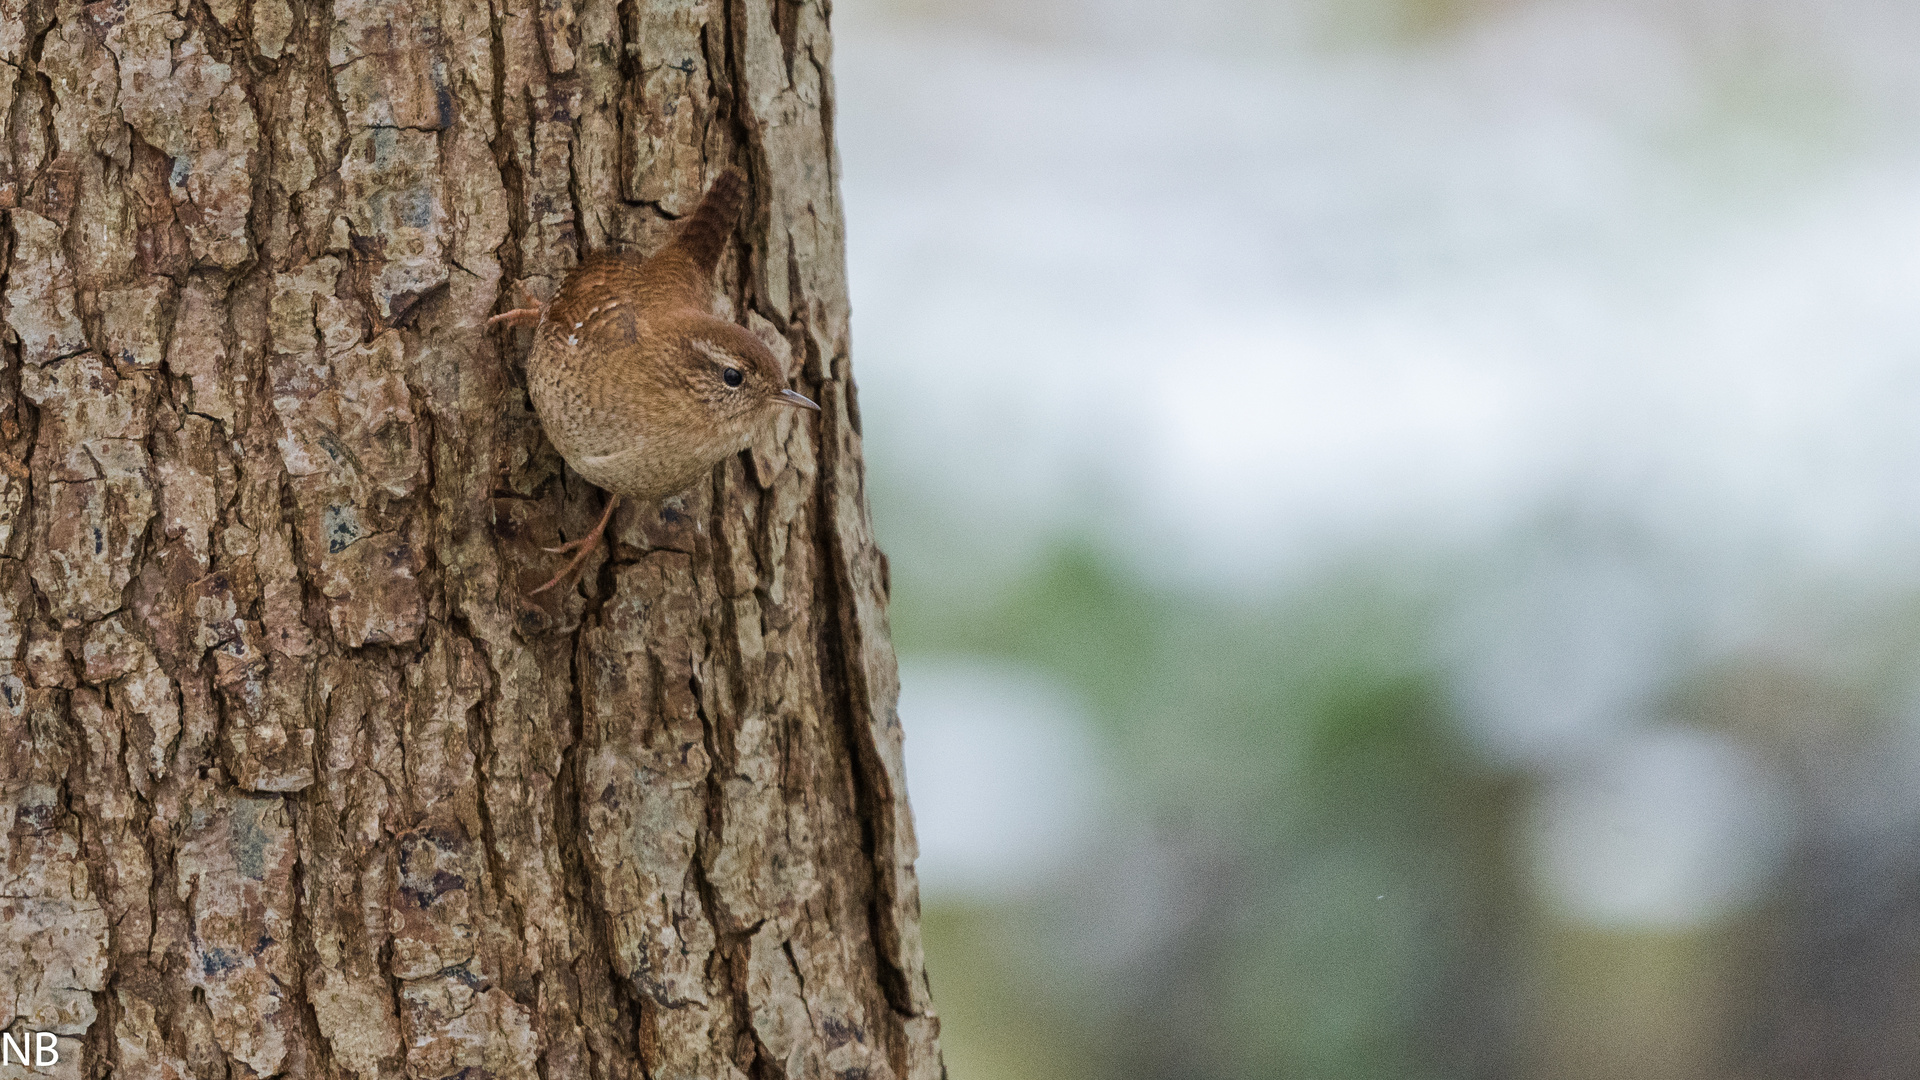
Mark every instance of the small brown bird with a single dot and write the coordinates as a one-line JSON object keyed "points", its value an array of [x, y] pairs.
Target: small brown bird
{"points": [[639, 385]]}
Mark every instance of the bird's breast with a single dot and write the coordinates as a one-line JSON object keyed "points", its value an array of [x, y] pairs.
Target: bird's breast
{"points": [[609, 436]]}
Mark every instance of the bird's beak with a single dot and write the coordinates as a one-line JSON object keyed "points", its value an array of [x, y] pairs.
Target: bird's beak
{"points": [[788, 397]]}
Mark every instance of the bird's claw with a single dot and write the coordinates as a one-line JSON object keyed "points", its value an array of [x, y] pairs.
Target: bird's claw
{"points": [[526, 315], [516, 318], [586, 544]]}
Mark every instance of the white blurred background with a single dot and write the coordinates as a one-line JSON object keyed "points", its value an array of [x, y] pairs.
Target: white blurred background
{"points": [[1405, 518]]}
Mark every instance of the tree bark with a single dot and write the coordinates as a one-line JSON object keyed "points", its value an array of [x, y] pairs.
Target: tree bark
{"points": [[294, 777]]}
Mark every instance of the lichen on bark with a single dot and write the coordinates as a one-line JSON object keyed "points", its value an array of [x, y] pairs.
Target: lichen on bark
{"points": [[295, 779]]}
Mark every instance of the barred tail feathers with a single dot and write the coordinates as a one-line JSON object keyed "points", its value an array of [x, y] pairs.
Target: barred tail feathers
{"points": [[703, 235]]}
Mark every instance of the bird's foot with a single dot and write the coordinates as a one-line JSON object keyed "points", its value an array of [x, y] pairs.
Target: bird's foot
{"points": [[585, 544], [515, 319], [586, 549], [528, 315]]}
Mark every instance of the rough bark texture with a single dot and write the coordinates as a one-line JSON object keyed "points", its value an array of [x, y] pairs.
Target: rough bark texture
{"points": [[294, 778]]}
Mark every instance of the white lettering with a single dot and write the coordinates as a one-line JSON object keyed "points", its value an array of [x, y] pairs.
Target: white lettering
{"points": [[8, 1048], [47, 1050]]}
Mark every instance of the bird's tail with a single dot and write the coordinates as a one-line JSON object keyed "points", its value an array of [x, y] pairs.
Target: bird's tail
{"points": [[703, 236]]}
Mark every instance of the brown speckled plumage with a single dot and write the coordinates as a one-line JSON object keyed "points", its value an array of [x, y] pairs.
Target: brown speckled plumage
{"points": [[639, 385]]}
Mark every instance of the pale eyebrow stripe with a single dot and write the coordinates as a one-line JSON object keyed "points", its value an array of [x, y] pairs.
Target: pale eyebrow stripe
{"points": [[712, 352]]}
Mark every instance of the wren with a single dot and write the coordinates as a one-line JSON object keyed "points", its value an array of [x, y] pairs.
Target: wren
{"points": [[638, 384]]}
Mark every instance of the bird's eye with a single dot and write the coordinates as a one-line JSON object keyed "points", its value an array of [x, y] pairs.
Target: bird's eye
{"points": [[732, 377]]}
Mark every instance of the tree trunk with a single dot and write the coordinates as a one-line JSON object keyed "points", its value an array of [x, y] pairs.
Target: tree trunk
{"points": [[294, 776]]}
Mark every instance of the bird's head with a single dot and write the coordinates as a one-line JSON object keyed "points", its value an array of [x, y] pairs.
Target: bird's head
{"points": [[731, 374]]}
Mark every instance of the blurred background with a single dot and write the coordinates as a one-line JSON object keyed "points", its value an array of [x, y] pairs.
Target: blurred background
{"points": [[1405, 528]]}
